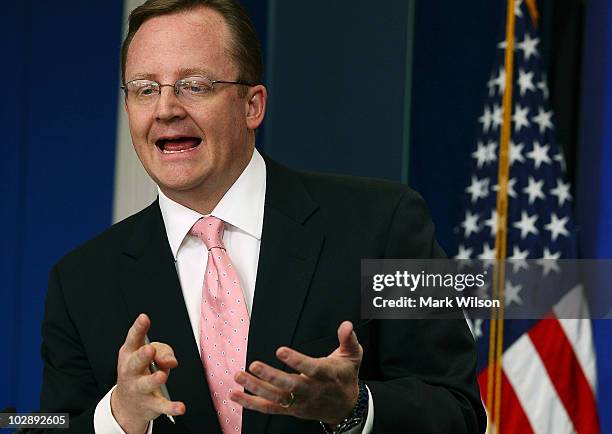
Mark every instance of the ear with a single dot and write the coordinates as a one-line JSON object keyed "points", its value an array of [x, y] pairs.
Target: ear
{"points": [[256, 99]]}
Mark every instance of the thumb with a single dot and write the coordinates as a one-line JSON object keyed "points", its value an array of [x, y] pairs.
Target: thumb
{"points": [[349, 345]]}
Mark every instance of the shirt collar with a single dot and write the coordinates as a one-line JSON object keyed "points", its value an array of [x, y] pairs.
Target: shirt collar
{"points": [[242, 206]]}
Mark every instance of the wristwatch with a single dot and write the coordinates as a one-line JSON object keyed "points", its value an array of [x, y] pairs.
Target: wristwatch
{"points": [[357, 416]]}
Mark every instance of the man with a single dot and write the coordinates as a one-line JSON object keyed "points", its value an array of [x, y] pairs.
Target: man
{"points": [[244, 274]]}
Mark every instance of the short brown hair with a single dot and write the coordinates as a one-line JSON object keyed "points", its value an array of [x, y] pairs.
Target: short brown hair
{"points": [[244, 49]]}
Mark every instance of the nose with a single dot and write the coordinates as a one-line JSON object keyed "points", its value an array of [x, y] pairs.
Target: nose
{"points": [[168, 106]]}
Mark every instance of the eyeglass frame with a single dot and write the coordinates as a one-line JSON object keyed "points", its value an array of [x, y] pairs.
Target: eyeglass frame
{"points": [[177, 90]]}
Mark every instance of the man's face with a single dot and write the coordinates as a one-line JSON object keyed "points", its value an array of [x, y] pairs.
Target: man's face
{"points": [[215, 136]]}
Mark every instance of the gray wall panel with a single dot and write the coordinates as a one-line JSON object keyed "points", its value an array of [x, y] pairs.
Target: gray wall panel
{"points": [[337, 86]]}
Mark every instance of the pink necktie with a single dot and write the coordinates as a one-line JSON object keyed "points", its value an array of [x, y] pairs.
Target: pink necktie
{"points": [[224, 324]]}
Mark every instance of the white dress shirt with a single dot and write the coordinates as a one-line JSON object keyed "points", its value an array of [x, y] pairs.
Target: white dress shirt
{"points": [[242, 210]]}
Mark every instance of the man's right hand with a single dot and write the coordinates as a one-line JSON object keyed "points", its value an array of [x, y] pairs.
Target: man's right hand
{"points": [[137, 398]]}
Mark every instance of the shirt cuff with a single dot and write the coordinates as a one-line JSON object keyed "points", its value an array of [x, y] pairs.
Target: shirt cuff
{"points": [[369, 422], [104, 421]]}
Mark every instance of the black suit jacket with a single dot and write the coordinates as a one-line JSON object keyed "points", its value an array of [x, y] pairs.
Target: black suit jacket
{"points": [[316, 229]]}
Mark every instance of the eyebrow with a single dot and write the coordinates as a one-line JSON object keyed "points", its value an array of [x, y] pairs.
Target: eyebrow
{"points": [[182, 73]]}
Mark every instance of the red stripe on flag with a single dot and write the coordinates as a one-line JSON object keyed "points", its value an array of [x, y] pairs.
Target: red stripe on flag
{"points": [[566, 374], [513, 419]]}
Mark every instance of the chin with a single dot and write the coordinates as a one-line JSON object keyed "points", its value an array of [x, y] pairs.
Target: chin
{"points": [[180, 183]]}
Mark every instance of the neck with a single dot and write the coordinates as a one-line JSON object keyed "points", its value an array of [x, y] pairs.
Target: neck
{"points": [[206, 196]]}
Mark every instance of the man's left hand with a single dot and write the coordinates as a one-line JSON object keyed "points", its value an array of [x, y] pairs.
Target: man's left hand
{"points": [[324, 389]]}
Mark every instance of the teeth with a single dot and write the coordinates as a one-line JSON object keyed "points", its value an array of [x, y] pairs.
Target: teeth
{"points": [[176, 152]]}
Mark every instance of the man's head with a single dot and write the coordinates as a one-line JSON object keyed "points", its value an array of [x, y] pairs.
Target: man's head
{"points": [[194, 145]]}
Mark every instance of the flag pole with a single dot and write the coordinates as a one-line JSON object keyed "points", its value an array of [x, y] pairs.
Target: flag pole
{"points": [[497, 321]]}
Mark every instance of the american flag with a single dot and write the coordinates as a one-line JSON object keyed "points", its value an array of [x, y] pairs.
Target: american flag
{"points": [[548, 382]]}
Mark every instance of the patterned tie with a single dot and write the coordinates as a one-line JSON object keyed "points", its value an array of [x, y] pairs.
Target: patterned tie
{"points": [[224, 324]]}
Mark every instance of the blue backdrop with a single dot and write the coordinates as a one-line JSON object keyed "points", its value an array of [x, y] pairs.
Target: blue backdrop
{"points": [[594, 186], [61, 77]]}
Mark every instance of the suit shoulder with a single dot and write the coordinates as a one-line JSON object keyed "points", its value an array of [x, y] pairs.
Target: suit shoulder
{"points": [[107, 243], [348, 189], [389, 215]]}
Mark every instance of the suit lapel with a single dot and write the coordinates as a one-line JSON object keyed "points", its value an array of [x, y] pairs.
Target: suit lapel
{"points": [[288, 256], [150, 284]]}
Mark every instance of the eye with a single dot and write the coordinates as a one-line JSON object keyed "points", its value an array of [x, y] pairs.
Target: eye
{"points": [[143, 89], [146, 90], [196, 86]]}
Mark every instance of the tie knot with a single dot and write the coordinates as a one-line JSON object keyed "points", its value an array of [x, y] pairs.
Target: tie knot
{"points": [[210, 231]]}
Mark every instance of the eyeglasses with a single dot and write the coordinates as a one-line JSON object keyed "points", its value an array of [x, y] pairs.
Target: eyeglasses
{"points": [[190, 90]]}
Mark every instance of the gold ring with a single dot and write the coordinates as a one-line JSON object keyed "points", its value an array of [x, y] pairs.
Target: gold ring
{"points": [[290, 403]]}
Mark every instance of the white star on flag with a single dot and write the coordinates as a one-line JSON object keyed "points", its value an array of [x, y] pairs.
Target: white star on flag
{"points": [[464, 253], [556, 226], [529, 46], [498, 112], [517, 8], [470, 224], [486, 119], [479, 189], [519, 259], [500, 81], [490, 154], [548, 262], [492, 222], [543, 86], [527, 224], [487, 255], [561, 160], [534, 190], [512, 294], [525, 81], [539, 154], [516, 153], [520, 117], [543, 119], [562, 192], [480, 154]]}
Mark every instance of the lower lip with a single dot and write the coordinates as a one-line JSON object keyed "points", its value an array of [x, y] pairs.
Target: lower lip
{"points": [[178, 154]]}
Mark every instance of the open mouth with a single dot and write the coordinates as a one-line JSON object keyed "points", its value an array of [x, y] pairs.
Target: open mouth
{"points": [[176, 145]]}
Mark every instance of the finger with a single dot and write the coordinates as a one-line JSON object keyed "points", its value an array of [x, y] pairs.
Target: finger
{"points": [[283, 380], [151, 383], [257, 403], [177, 408], [349, 345], [162, 406], [164, 356], [302, 363], [139, 360], [262, 388], [136, 333]]}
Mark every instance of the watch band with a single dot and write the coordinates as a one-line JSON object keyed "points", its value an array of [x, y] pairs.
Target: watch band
{"points": [[356, 417]]}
